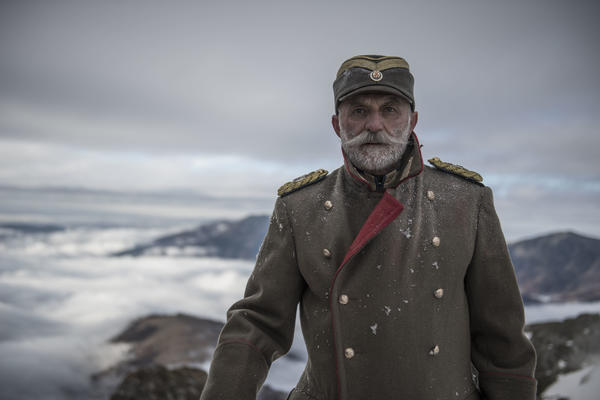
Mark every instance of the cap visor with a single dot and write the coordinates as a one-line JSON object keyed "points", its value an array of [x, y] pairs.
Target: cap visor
{"points": [[376, 89]]}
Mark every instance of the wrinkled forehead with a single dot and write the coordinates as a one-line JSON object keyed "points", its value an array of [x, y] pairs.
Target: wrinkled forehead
{"points": [[374, 99]]}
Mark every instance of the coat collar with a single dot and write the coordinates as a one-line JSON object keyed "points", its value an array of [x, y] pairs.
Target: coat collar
{"points": [[410, 166]]}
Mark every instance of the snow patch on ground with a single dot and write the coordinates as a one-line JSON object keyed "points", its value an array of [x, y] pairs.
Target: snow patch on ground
{"points": [[579, 385]]}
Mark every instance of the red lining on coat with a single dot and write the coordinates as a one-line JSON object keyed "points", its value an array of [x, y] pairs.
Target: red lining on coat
{"points": [[507, 374]]}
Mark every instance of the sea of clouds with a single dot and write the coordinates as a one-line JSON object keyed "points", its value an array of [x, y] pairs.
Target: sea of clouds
{"points": [[62, 297]]}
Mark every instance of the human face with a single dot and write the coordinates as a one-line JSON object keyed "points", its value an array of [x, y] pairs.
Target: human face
{"points": [[374, 129]]}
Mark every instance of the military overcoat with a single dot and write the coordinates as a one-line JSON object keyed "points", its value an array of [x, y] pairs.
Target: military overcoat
{"points": [[402, 291]]}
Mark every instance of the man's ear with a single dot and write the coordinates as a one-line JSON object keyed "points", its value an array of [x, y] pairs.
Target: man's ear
{"points": [[335, 122], [413, 120]]}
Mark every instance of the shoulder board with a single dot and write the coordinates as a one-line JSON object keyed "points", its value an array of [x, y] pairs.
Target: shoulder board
{"points": [[456, 170], [301, 182]]}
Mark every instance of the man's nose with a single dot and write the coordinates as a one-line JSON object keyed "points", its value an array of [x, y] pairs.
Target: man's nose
{"points": [[374, 123]]}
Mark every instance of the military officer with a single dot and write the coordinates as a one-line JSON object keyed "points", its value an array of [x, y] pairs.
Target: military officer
{"points": [[401, 270]]}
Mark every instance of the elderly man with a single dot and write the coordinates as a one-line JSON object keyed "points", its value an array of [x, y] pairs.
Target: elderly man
{"points": [[405, 285]]}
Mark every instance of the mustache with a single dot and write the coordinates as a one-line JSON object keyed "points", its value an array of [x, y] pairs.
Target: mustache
{"points": [[379, 137]]}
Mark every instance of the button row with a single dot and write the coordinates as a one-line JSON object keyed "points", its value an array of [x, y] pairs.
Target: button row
{"points": [[350, 353]]}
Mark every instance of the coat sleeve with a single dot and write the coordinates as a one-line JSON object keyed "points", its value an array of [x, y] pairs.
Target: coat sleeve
{"points": [[260, 327], [500, 351]]}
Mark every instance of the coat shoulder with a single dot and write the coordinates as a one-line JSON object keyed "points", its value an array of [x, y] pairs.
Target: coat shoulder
{"points": [[302, 182], [456, 170]]}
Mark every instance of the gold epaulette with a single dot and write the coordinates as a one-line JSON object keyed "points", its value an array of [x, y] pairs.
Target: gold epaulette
{"points": [[456, 170], [302, 181]]}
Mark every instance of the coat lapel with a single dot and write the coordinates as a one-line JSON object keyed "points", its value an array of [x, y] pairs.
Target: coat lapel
{"points": [[382, 215]]}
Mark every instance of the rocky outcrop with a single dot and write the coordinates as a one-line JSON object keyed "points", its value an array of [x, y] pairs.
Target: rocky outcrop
{"points": [[159, 383], [564, 347], [163, 355], [169, 340]]}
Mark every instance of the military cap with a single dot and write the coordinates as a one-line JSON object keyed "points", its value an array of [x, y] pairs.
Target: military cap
{"points": [[374, 73]]}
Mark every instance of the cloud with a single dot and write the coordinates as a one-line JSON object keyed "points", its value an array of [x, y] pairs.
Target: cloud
{"points": [[49, 368], [205, 79], [58, 311], [532, 208], [16, 325]]}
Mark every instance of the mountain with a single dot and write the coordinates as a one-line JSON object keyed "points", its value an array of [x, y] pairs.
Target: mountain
{"points": [[558, 267], [164, 355], [225, 239], [29, 228]]}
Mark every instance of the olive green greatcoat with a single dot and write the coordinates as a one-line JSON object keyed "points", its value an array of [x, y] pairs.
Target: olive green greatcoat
{"points": [[376, 324]]}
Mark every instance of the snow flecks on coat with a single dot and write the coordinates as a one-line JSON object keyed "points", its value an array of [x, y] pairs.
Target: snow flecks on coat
{"points": [[406, 232], [435, 265], [387, 310], [378, 266], [374, 328]]}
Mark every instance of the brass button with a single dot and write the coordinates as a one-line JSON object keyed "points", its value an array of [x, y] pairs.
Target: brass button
{"points": [[434, 351], [343, 299], [435, 241], [439, 293], [326, 253], [430, 195], [349, 352], [328, 205]]}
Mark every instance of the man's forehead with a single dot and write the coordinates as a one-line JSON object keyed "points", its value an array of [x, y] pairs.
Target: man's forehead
{"points": [[364, 98]]}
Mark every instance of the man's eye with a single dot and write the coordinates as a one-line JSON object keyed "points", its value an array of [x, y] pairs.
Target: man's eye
{"points": [[358, 111], [389, 109]]}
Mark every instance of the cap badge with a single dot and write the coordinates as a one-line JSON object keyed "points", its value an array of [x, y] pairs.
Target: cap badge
{"points": [[376, 75]]}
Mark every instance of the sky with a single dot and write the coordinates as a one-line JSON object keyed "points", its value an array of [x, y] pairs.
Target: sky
{"points": [[234, 98]]}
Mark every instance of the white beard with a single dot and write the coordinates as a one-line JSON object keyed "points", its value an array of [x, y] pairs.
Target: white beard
{"points": [[379, 159]]}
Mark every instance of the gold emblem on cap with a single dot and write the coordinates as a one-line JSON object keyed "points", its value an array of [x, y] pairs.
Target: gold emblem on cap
{"points": [[376, 75]]}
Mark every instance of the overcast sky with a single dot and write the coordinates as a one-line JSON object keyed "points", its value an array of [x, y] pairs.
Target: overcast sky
{"points": [[235, 98]]}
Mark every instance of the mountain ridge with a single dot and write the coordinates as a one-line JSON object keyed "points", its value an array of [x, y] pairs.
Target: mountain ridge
{"points": [[558, 266]]}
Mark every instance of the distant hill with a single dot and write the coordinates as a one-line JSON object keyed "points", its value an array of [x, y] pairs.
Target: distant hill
{"points": [[30, 228], [225, 239], [558, 267]]}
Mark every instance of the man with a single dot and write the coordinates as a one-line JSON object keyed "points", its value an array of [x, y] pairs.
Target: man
{"points": [[402, 273]]}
